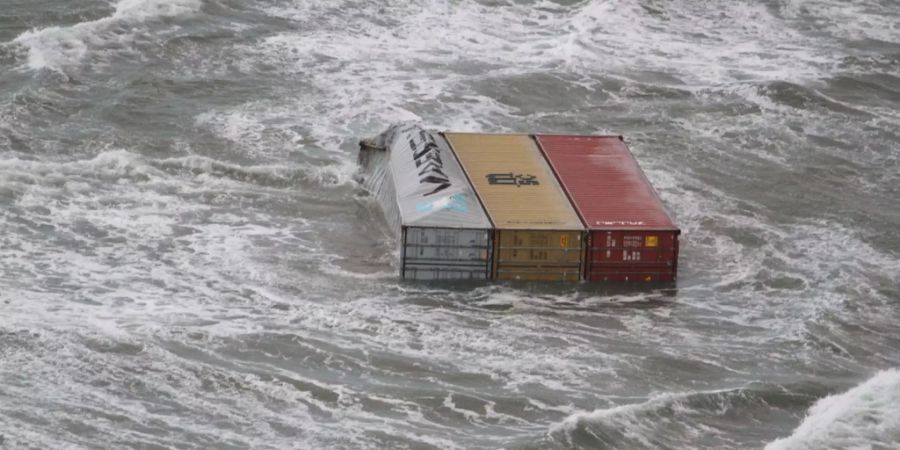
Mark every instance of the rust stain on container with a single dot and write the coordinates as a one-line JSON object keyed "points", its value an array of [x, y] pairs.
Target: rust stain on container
{"points": [[630, 235], [538, 233]]}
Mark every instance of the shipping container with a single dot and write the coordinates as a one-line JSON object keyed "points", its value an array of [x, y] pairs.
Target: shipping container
{"points": [[444, 233], [630, 235], [538, 235]]}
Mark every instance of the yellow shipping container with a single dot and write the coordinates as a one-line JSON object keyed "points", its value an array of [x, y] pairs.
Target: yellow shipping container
{"points": [[538, 234]]}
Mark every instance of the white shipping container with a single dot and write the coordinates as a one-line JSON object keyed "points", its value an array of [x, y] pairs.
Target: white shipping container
{"points": [[443, 230]]}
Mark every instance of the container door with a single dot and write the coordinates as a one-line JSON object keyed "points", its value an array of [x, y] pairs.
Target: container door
{"points": [[539, 255], [633, 255], [446, 254]]}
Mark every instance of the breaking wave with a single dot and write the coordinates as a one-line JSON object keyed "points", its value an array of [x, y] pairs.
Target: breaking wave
{"points": [[673, 420], [115, 165], [57, 47], [866, 416], [184, 247]]}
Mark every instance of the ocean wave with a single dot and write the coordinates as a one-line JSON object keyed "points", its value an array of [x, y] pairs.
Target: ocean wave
{"points": [[58, 47], [119, 165], [199, 271], [278, 176], [676, 420], [131, 386], [865, 417], [847, 19], [153, 9]]}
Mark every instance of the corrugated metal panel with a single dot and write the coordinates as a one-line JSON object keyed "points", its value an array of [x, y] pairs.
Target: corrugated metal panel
{"points": [[377, 180], [632, 237], [446, 254], [632, 255], [431, 189], [532, 273], [418, 182], [514, 182], [539, 235], [605, 183], [539, 255]]}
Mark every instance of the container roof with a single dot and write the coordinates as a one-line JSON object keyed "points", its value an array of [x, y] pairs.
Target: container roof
{"points": [[514, 182], [432, 190], [604, 181]]}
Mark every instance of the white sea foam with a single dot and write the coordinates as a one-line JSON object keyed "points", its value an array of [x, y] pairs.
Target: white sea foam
{"points": [[194, 256], [743, 40], [54, 47], [663, 420], [152, 9], [137, 233], [206, 394], [853, 19], [865, 417], [357, 62], [269, 133], [57, 47]]}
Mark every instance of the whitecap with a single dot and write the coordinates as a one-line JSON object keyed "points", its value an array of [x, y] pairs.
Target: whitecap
{"points": [[865, 417], [57, 47]]}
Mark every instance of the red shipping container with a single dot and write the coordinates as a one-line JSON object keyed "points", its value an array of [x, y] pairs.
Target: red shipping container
{"points": [[630, 235]]}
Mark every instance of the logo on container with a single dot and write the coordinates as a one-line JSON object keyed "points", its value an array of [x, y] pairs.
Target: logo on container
{"points": [[511, 179], [427, 156], [620, 222]]}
